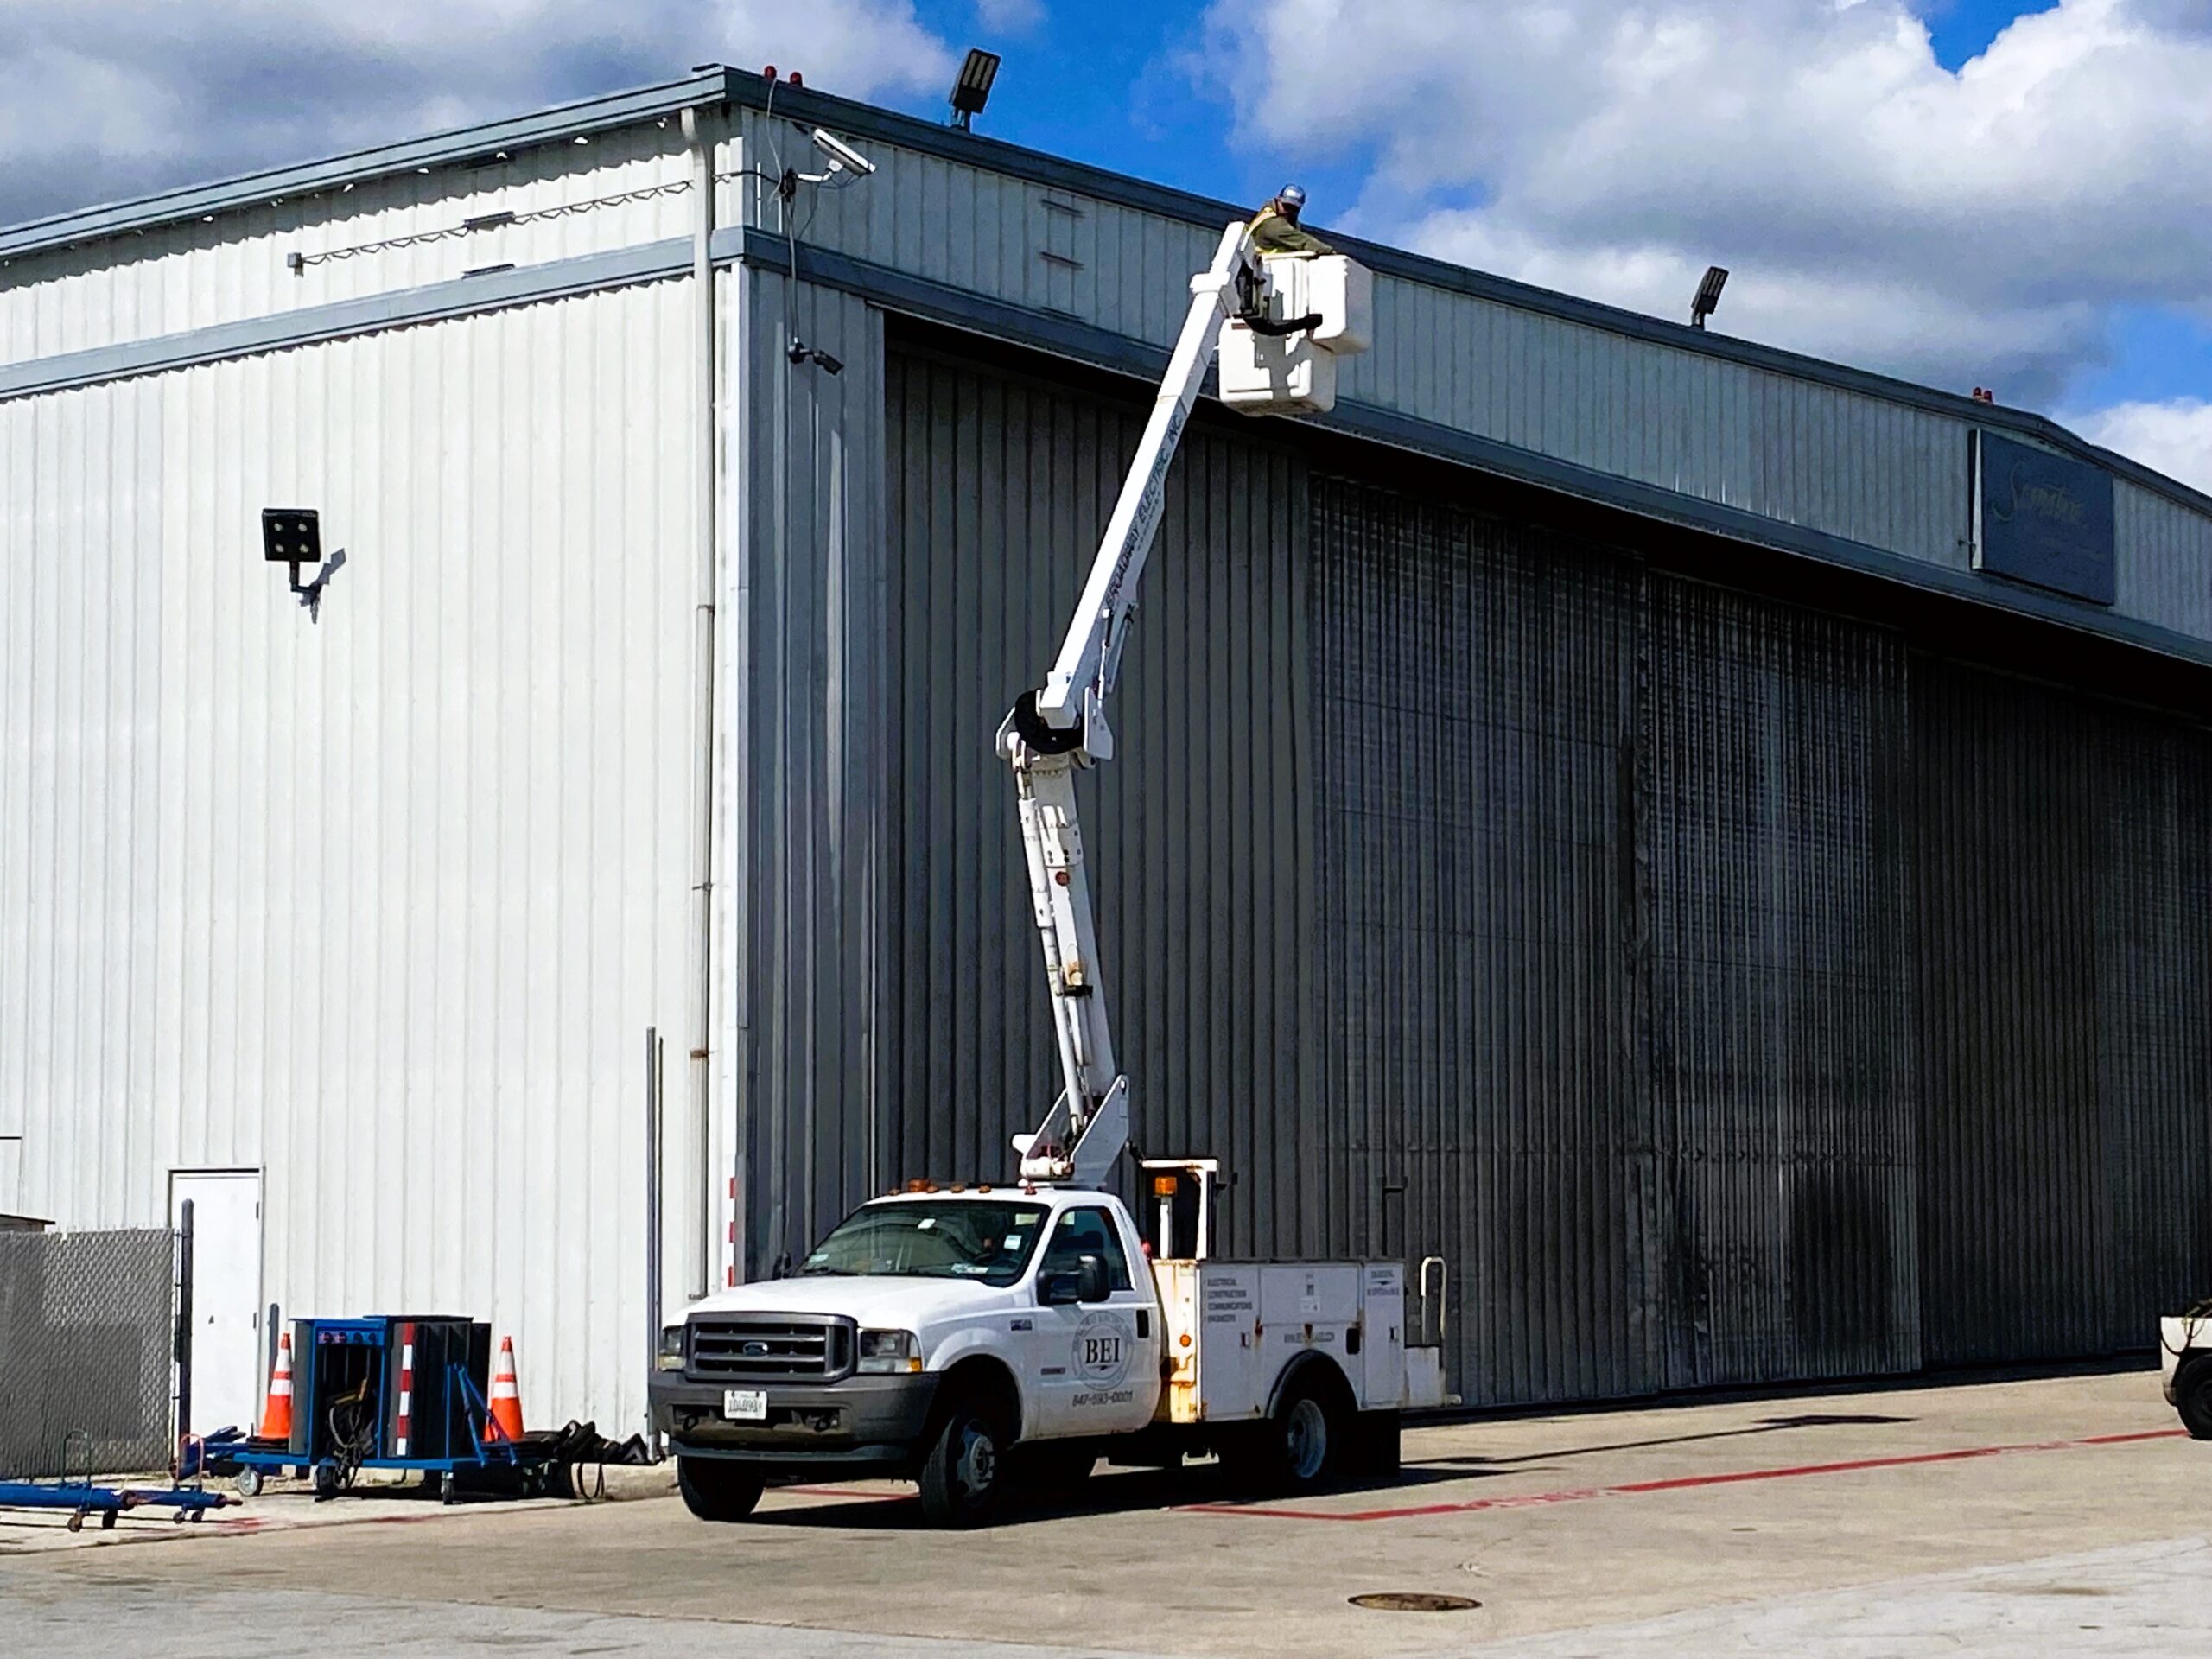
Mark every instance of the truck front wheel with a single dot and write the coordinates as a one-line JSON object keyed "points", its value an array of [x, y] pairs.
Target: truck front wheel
{"points": [[965, 1467], [716, 1489], [2193, 1396]]}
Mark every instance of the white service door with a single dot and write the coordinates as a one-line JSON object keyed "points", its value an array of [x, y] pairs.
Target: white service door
{"points": [[225, 1294]]}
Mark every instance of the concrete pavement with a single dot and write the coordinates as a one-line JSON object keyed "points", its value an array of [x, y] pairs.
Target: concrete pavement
{"points": [[2054, 1515]]}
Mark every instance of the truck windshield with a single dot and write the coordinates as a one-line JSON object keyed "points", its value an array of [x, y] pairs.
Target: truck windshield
{"points": [[958, 1238]]}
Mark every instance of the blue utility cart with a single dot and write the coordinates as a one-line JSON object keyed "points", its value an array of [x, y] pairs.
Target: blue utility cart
{"points": [[83, 1501], [390, 1391], [76, 1493]]}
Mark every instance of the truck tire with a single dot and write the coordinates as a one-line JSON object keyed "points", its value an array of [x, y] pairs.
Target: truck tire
{"points": [[716, 1489], [964, 1469], [1299, 1449], [2193, 1396]]}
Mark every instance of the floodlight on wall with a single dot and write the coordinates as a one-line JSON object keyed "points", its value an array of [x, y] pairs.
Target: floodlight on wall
{"points": [[293, 537], [1709, 296], [973, 90]]}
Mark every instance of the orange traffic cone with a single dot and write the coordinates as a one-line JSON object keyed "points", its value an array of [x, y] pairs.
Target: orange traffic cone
{"points": [[505, 1408], [276, 1415]]}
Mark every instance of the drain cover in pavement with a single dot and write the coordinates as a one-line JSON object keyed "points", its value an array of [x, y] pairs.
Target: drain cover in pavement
{"points": [[1413, 1601]]}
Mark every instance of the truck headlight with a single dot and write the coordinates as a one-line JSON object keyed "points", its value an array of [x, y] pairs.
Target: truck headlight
{"points": [[671, 1348], [890, 1350]]}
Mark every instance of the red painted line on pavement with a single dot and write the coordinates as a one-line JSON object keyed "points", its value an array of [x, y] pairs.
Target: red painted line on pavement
{"points": [[1681, 1482], [856, 1497]]}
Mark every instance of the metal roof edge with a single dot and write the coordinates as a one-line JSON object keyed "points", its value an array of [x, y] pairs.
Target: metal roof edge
{"points": [[1103, 348], [460, 143]]}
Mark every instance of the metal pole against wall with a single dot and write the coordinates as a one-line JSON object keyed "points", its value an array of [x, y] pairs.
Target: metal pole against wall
{"points": [[699, 1209], [654, 1237], [181, 1349]]}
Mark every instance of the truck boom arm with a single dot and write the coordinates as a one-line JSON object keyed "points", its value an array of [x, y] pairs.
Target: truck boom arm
{"points": [[1062, 726]]}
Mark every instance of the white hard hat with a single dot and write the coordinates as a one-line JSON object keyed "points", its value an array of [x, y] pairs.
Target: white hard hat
{"points": [[1291, 196]]}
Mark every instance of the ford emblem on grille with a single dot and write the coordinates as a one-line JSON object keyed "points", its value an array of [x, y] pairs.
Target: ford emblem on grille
{"points": [[756, 1350]]}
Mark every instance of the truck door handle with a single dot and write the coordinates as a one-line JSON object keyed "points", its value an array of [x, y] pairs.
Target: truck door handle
{"points": [[1144, 1323]]}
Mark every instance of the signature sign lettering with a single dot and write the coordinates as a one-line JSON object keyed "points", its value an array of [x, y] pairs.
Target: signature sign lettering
{"points": [[2043, 519]]}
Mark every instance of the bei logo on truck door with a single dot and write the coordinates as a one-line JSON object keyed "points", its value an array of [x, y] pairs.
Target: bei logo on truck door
{"points": [[1103, 1350]]}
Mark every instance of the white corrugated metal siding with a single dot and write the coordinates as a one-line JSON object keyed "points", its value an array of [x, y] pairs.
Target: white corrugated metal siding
{"points": [[2165, 560], [382, 903], [621, 189]]}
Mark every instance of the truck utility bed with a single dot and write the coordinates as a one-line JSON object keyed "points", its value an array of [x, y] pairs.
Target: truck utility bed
{"points": [[1233, 1326]]}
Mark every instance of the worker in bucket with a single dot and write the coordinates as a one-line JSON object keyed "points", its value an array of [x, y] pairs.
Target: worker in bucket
{"points": [[1275, 229]]}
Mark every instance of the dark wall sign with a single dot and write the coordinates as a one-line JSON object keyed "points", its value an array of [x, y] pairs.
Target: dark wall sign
{"points": [[2043, 519]]}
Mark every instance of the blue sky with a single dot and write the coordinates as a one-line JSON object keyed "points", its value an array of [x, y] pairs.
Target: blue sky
{"points": [[1958, 191], [1964, 29]]}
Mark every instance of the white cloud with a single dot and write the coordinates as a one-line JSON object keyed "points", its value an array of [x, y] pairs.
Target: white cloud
{"points": [[1010, 17], [111, 98], [1965, 228], [2174, 438]]}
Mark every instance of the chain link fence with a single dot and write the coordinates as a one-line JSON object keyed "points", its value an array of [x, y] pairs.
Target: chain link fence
{"points": [[86, 1334]]}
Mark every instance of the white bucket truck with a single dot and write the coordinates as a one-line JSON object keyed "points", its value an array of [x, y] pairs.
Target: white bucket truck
{"points": [[955, 1335]]}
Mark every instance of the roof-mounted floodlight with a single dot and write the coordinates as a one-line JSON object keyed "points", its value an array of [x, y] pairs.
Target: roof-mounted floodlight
{"points": [[1709, 296], [973, 90], [841, 154]]}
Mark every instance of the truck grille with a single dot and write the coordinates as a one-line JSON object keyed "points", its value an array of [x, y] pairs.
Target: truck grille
{"points": [[743, 1349]]}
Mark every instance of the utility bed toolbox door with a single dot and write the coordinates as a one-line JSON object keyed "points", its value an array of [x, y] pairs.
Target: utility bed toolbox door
{"points": [[1230, 1383], [1306, 1305], [1380, 1380]]}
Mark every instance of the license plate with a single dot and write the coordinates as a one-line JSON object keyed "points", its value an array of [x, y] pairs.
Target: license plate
{"points": [[746, 1404]]}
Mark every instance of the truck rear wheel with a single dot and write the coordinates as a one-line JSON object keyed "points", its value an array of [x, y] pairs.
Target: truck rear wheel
{"points": [[2193, 1396], [1296, 1450], [716, 1489], [965, 1468]]}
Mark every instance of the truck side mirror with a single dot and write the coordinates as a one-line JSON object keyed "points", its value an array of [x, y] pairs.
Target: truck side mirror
{"points": [[1060, 1289], [1090, 1279]]}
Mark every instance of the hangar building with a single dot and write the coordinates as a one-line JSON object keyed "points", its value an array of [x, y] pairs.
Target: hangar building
{"points": [[1714, 846]]}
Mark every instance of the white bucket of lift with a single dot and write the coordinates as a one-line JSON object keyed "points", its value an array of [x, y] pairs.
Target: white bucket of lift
{"points": [[1340, 290], [1280, 374], [1296, 374]]}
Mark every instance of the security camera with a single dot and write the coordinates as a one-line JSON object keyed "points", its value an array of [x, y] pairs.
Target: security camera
{"points": [[842, 154]]}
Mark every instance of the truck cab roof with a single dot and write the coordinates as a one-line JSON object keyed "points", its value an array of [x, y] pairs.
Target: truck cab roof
{"points": [[1032, 1191]]}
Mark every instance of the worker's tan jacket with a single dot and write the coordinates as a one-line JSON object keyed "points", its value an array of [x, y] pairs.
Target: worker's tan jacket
{"points": [[1272, 233]]}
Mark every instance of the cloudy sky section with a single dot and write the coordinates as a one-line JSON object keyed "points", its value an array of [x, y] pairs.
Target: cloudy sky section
{"points": [[2032, 211], [1982, 226], [106, 99]]}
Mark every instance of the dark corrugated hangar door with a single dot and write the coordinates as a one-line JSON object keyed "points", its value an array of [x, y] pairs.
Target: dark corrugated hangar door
{"points": [[2064, 886], [1781, 1066], [1613, 915], [1482, 1092], [1729, 992]]}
